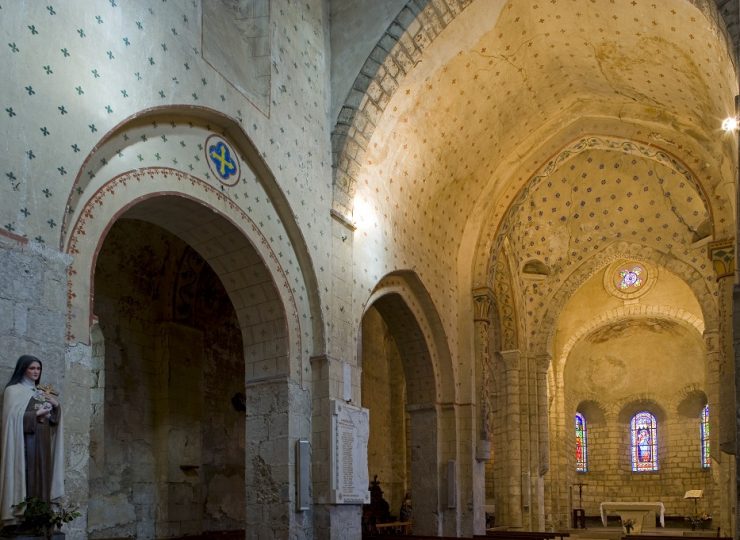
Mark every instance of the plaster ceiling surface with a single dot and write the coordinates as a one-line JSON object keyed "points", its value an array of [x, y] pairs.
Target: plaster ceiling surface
{"points": [[611, 364], [453, 144]]}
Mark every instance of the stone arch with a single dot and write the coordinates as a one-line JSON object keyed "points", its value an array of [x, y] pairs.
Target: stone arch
{"points": [[494, 227], [507, 306], [689, 401], [408, 294], [412, 321], [91, 180], [397, 52], [490, 229], [598, 142], [207, 222], [627, 407], [258, 287], [544, 332], [630, 311], [593, 409]]}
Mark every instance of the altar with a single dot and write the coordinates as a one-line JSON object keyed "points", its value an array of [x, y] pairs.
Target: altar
{"points": [[636, 511]]}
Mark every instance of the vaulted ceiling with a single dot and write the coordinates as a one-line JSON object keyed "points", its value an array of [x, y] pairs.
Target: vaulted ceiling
{"points": [[563, 128]]}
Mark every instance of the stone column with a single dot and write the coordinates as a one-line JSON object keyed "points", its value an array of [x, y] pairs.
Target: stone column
{"points": [[560, 473], [276, 417], [539, 425], [470, 471], [483, 305], [331, 521], [335, 521], [429, 495], [722, 255], [512, 495]]}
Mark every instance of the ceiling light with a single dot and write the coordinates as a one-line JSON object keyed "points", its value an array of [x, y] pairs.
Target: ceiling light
{"points": [[730, 123]]}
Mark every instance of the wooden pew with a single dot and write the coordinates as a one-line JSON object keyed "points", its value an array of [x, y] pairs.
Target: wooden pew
{"points": [[676, 537], [415, 537], [399, 528], [502, 535], [524, 535]]}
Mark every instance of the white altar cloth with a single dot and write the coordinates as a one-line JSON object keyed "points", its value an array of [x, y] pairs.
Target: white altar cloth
{"points": [[632, 508]]}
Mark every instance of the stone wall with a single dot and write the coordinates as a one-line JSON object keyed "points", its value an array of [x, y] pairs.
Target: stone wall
{"points": [[610, 477], [172, 456], [608, 379], [32, 305]]}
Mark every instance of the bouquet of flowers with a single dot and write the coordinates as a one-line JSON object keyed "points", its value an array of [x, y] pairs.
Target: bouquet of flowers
{"points": [[698, 520]]}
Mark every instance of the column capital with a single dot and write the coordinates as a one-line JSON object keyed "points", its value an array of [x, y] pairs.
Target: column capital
{"points": [[482, 304], [542, 361], [510, 358], [711, 340], [722, 255]]}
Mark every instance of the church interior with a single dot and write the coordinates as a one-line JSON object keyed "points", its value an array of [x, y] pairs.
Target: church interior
{"points": [[478, 253]]}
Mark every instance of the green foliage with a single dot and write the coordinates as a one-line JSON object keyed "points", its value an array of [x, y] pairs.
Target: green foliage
{"points": [[42, 517]]}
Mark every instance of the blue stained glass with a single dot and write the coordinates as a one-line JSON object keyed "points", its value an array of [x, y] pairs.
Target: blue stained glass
{"points": [[704, 430], [581, 444], [644, 432]]}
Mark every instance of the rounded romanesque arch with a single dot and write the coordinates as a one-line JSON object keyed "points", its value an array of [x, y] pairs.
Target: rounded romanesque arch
{"points": [[179, 135], [409, 300], [193, 178], [407, 376], [631, 311], [497, 223], [701, 285], [190, 212]]}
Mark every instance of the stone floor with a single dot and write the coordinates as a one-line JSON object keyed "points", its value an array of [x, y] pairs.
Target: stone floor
{"points": [[615, 533]]}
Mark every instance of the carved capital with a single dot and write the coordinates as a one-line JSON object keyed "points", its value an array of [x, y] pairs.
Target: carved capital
{"points": [[510, 359], [711, 340], [722, 255], [482, 304], [542, 361]]}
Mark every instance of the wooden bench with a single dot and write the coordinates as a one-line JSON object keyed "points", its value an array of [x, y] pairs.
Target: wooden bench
{"points": [[524, 535], [417, 537], [676, 537], [394, 527]]}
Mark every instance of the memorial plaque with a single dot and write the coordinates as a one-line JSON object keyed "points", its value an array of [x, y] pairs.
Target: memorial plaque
{"points": [[350, 429]]}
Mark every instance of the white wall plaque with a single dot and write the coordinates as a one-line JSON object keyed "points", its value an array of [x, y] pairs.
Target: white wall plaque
{"points": [[350, 430]]}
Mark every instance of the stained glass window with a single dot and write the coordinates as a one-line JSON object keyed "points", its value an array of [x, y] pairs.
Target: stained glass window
{"points": [[704, 429], [644, 431], [630, 277], [581, 444]]}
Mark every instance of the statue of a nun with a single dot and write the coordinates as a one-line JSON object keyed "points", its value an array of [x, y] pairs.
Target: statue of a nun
{"points": [[32, 459]]}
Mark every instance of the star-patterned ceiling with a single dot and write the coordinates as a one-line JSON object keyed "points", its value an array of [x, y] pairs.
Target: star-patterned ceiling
{"points": [[461, 142]]}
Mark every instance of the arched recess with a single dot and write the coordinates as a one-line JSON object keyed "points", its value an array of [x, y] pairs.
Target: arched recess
{"points": [[402, 336], [226, 241], [137, 173], [632, 359], [177, 406], [542, 335], [631, 311]]}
